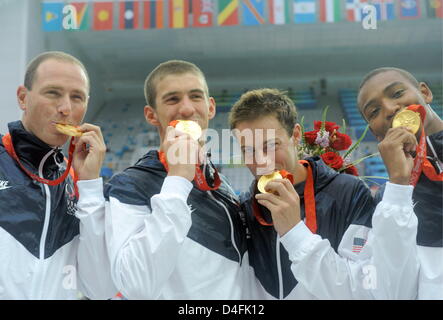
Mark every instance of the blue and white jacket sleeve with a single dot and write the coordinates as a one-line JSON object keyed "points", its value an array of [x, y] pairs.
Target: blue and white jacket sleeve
{"points": [[93, 263], [144, 243], [377, 263]]}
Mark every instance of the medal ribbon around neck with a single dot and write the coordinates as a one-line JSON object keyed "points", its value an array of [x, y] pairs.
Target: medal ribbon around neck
{"points": [[421, 163], [7, 142], [199, 178]]}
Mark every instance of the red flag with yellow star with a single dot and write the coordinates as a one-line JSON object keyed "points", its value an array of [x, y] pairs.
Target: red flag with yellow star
{"points": [[103, 15]]}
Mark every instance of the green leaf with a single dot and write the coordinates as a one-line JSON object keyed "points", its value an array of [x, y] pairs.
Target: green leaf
{"points": [[302, 130], [363, 178], [323, 118], [374, 177], [357, 143], [359, 160]]}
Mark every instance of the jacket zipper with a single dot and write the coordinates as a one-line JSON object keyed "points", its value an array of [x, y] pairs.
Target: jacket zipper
{"points": [[37, 294], [434, 157], [231, 224], [280, 277], [48, 207]]}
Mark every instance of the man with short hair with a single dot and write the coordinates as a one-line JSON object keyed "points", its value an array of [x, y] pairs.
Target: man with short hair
{"points": [[317, 237], [44, 238], [161, 247], [385, 92]]}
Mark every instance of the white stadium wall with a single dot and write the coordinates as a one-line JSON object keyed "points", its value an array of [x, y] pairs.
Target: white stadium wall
{"points": [[14, 39]]}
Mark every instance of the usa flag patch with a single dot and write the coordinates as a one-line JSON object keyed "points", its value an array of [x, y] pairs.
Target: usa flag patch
{"points": [[358, 244]]}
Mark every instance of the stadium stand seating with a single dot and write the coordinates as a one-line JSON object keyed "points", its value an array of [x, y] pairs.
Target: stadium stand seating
{"points": [[303, 99], [374, 167], [437, 101]]}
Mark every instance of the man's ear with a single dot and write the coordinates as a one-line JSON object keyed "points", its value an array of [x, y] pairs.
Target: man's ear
{"points": [[212, 107], [425, 92], [296, 134], [151, 116], [21, 97]]}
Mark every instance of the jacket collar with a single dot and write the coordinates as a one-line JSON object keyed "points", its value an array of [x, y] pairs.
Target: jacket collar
{"points": [[436, 140], [322, 175], [31, 149], [150, 160]]}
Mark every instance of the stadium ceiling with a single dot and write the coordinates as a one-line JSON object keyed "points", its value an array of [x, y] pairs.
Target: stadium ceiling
{"points": [[124, 57]]}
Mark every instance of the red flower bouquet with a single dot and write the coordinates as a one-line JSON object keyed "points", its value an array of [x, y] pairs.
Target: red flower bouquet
{"points": [[341, 141], [329, 126], [332, 159], [326, 141]]}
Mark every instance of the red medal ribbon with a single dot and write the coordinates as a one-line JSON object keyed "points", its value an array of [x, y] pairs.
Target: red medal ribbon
{"points": [[310, 212], [258, 215], [7, 142], [421, 163], [430, 172], [199, 177], [309, 198]]}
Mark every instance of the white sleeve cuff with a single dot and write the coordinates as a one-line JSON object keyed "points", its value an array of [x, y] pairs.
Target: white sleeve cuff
{"points": [[294, 239], [90, 190], [398, 194], [178, 186]]}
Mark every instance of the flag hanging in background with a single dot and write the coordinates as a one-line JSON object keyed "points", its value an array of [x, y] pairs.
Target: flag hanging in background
{"points": [[385, 9], [409, 9], [129, 12], [279, 11], [202, 12], [178, 14], [227, 12], [304, 11], [103, 15], [253, 12], [83, 15], [52, 16], [330, 11], [435, 8], [354, 9], [153, 14]]}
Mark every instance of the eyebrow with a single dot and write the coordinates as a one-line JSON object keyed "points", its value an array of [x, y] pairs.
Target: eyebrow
{"points": [[265, 143], [385, 90], [389, 87], [197, 90], [273, 139], [80, 92], [168, 94], [62, 89], [52, 87]]}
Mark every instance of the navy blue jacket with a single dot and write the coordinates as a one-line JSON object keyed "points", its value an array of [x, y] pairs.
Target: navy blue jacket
{"points": [[23, 201], [211, 227], [428, 198]]}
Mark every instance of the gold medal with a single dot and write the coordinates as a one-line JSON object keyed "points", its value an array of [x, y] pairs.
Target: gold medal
{"points": [[68, 130], [190, 127], [407, 118], [263, 181]]}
